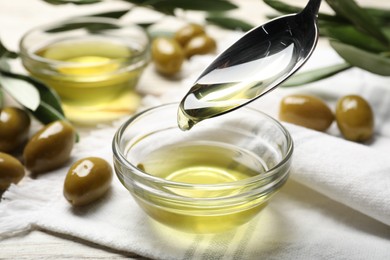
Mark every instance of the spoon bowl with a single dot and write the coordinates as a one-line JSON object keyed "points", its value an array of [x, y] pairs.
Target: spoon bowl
{"points": [[254, 65]]}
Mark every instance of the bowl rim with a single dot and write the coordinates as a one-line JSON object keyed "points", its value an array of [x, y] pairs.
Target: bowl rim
{"points": [[27, 54], [118, 154]]}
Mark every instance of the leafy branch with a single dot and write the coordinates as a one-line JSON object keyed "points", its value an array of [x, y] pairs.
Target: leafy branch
{"points": [[43, 103], [216, 10], [360, 35]]}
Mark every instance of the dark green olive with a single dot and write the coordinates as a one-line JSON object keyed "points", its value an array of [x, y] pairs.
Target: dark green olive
{"points": [[11, 171], [14, 128], [355, 118], [201, 44], [186, 33], [50, 147], [168, 55], [307, 111], [87, 180]]}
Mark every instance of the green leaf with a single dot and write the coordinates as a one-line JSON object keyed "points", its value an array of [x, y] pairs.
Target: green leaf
{"points": [[46, 113], [76, 2], [49, 107], [145, 25], [289, 9], [89, 26], [138, 2], [315, 75], [386, 31], [199, 5], [381, 15], [350, 35], [350, 10], [169, 6], [1, 98], [46, 94], [282, 7], [228, 22], [114, 14], [23, 92], [4, 64], [375, 63], [5, 53]]}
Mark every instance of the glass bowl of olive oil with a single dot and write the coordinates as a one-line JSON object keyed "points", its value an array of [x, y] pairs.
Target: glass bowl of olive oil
{"points": [[215, 177], [93, 63]]}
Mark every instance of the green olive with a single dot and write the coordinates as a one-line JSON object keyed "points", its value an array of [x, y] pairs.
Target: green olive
{"points": [[50, 147], [14, 128], [186, 33], [201, 44], [87, 180], [307, 111], [11, 171], [168, 55], [355, 118]]}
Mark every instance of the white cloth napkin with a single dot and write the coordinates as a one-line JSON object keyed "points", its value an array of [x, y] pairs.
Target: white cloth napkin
{"points": [[335, 205]]}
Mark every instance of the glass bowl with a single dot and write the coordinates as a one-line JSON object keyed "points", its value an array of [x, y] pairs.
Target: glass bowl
{"points": [[93, 63], [215, 177]]}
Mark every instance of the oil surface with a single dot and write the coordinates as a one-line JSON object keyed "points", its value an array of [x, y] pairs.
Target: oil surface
{"points": [[90, 78], [202, 163]]}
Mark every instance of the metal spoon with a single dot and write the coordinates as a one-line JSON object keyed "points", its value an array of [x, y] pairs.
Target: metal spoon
{"points": [[254, 65]]}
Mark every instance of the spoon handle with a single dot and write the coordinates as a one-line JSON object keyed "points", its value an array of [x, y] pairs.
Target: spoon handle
{"points": [[312, 7]]}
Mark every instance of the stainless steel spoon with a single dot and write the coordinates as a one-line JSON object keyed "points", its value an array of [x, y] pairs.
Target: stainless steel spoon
{"points": [[254, 65]]}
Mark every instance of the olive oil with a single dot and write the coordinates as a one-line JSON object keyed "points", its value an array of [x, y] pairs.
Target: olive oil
{"points": [[229, 84], [93, 77], [206, 164]]}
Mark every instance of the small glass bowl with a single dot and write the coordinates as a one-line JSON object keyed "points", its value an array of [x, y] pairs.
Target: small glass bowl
{"points": [[210, 201], [93, 63]]}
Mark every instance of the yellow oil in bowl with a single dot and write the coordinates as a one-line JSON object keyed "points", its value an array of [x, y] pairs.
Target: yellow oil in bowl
{"points": [[94, 72], [195, 163]]}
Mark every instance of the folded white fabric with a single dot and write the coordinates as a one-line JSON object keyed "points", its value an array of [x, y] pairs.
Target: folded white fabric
{"points": [[298, 223]]}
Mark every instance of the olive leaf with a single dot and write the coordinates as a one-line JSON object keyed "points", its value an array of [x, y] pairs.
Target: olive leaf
{"points": [[145, 25], [5, 53], [282, 7], [289, 9], [4, 64], [76, 2], [48, 99], [382, 16], [198, 5], [47, 94], [112, 14], [169, 6], [1, 98], [310, 76], [350, 10], [118, 14], [89, 26], [375, 63], [228, 22], [23, 92], [350, 35], [46, 113]]}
